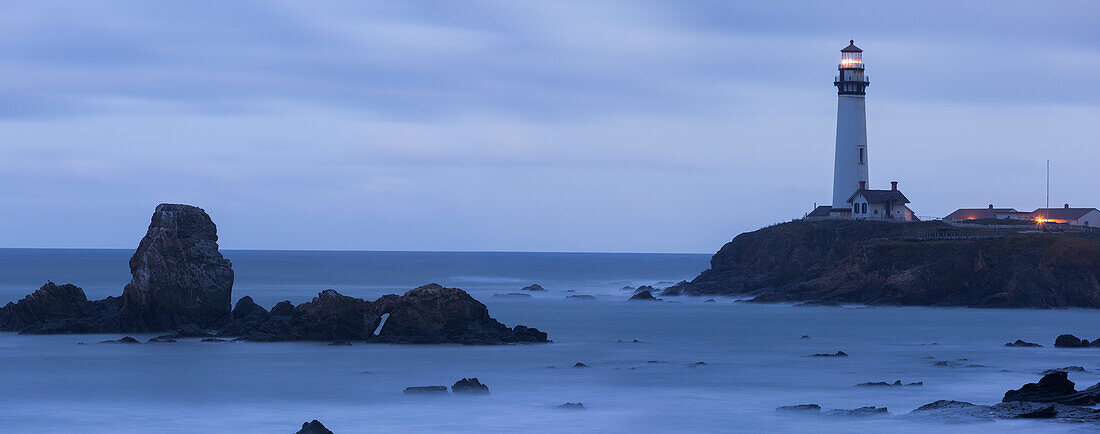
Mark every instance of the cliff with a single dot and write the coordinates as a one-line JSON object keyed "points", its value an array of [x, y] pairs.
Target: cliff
{"points": [[877, 263]]}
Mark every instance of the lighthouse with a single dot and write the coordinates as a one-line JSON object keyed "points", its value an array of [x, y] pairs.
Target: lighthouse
{"points": [[850, 164]]}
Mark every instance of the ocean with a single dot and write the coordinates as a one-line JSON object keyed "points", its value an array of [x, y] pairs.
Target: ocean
{"points": [[754, 354]]}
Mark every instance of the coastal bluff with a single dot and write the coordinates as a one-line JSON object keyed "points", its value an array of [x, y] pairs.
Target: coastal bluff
{"points": [[181, 283], [882, 263]]}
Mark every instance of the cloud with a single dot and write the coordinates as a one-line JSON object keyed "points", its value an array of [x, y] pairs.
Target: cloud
{"points": [[571, 125]]}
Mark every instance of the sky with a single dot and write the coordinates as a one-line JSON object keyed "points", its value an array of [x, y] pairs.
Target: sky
{"points": [[603, 126]]}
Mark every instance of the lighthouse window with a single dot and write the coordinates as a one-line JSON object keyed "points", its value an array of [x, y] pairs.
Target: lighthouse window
{"points": [[860, 155]]}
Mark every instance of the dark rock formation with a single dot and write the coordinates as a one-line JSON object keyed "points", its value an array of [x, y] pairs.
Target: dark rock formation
{"points": [[885, 384], [813, 303], [512, 295], [580, 365], [179, 279], [838, 354], [339, 344], [859, 412], [314, 427], [644, 296], [572, 406], [801, 408], [1054, 387], [875, 263], [434, 314], [645, 288], [1047, 412], [1022, 343], [1065, 369], [469, 385], [710, 300], [122, 340], [50, 303], [963, 412], [580, 297], [533, 287], [425, 390], [1071, 341], [181, 282], [430, 314]]}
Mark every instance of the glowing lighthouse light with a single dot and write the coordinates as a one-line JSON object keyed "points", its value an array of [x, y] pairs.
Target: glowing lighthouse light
{"points": [[851, 59]]}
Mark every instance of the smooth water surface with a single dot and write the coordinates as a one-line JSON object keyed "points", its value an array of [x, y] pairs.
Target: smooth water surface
{"points": [[754, 354]]}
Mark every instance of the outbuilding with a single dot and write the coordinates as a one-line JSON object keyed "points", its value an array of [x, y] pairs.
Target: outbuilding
{"points": [[880, 204]]}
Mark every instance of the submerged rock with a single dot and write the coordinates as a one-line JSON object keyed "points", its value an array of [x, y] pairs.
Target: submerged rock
{"points": [[859, 412], [580, 297], [953, 411], [838, 354], [963, 412], [801, 408], [580, 365], [1065, 369], [572, 406], [513, 295], [428, 390], [469, 385], [314, 427], [339, 344], [644, 296], [123, 340], [1021, 343], [533, 287], [818, 303], [885, 384]]}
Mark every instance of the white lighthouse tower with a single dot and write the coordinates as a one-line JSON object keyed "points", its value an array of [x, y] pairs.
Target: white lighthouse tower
{"points": [[850, 165]]}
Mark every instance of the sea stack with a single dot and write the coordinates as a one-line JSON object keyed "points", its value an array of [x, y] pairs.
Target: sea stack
{"points": [[179, 277]]}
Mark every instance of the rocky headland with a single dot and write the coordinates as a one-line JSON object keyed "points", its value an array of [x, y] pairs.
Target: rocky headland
{"points": [[182, 284], [880, 263]]}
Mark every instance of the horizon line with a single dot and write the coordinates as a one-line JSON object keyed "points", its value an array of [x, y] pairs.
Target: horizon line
{"points": [[382, 251]]}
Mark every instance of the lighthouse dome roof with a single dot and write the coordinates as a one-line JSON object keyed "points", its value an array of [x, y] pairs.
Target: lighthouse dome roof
{"points": [[851, 48]]}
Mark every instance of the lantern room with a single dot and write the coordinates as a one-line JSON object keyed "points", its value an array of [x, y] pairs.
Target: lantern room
{"points": [[851, 56], [851, 79]]}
